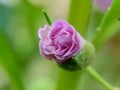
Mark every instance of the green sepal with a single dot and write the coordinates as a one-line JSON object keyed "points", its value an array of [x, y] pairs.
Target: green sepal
{"points": [[81, 60], [87, 54], [70, 65]]}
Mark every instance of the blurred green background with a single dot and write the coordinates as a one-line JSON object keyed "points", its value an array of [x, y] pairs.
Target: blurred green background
{"points": [[22, 67]]}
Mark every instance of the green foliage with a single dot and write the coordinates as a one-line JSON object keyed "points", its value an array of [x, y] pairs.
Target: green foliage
{"points": [[109, 26], [7, 60], [14, 56]]}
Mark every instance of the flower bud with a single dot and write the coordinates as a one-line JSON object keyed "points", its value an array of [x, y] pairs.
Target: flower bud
{"points": [[61, 42]]}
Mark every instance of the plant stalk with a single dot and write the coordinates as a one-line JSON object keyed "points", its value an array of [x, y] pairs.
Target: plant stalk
{"points": [[97, 77], [68, 80]]}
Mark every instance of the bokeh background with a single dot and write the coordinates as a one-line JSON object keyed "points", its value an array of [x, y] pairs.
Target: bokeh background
{"points": [[22, 67]]}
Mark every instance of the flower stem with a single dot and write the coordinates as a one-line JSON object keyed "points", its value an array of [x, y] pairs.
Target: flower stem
{"points": [[79, 19], [68, 80], [97, 77], [79, 15], [47, 17]]}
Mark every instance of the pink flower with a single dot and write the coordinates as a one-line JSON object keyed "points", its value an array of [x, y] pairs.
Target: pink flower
{"points": [[60, 41]]}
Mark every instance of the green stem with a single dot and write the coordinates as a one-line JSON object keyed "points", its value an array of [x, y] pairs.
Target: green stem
{"points": [[68, 80], [79, 19], [79, 15], [97, 77], [47, 17]]}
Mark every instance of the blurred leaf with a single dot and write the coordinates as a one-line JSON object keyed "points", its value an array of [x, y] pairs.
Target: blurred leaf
{"points": [[4, 16], [32, 16], [27, 16], [7, 60], [95, 20], [79, 15], [109, 25]]}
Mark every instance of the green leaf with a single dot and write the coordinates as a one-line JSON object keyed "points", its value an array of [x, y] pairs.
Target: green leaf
{"points": [[8, 61], [79, 15], [109, 25]]}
